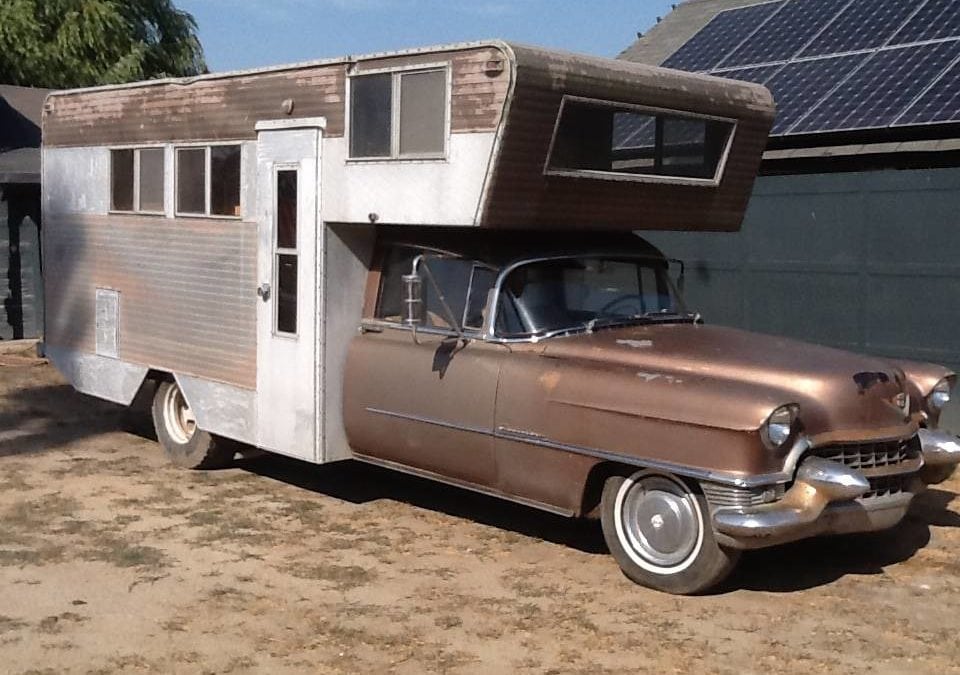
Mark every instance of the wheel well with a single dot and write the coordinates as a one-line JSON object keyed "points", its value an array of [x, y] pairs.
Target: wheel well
{"points": [[593, 488], [138, 418]]}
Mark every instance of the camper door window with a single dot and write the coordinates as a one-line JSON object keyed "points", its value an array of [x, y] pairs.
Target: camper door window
{"points": [[603, 139], [136, 180], [208, 181], [399, 114]]}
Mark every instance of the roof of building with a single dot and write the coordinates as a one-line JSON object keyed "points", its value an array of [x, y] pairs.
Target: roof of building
{"points": [[21, 109], [844, 74]]}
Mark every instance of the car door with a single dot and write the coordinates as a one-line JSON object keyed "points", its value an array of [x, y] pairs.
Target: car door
{"points": [[426, 399]]}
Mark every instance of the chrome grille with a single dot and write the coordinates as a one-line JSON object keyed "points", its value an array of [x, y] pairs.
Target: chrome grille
{"points": [[882, 486], [728, 495], [871, 455]]}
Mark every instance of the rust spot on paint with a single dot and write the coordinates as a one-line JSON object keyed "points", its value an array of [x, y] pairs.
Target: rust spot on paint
{"points": [[550, 380]]}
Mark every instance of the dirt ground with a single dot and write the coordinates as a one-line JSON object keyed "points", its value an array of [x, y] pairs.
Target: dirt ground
{"points": [[112, 561]]}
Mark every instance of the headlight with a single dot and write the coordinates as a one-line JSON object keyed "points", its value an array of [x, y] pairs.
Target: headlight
{"points": [[940, 396], [779, 426]]}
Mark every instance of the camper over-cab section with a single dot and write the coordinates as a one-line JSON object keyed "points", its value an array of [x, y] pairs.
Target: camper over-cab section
{"points": [[487, 134]]}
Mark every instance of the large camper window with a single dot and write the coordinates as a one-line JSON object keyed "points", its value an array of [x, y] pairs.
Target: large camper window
{"points": [[208, 181], [136, 180], [398, 115], [609, 140]]}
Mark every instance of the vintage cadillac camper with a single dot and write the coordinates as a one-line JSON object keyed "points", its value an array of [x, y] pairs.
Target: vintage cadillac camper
{"points": [[428, 260]]}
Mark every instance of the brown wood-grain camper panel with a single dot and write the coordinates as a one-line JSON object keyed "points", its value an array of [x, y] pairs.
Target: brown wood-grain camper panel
{"points": [[187, 290], [228, 108], [218, 109], [521, 195]]}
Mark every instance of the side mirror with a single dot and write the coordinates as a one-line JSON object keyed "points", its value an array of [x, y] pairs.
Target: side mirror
{"points": [[413, 310]]}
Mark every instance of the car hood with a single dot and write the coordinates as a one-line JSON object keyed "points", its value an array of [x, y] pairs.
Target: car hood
{"points": [[729, 378]]}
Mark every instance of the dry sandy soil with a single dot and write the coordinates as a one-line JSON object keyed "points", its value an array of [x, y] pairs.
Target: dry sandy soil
{"points": [[112, 561]]}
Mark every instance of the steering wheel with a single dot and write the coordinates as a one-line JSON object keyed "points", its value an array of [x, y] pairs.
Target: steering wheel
{"points": [[627, 297]]}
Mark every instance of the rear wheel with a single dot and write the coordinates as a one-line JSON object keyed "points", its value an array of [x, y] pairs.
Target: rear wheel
{"points": [[183, 441], [658, 530]]}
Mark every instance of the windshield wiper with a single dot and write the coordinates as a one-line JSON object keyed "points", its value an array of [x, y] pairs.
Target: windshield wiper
{"points": [[668, 315]]}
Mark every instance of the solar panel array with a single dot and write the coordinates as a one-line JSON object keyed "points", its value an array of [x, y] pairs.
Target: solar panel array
{"points": [[839, 65]]}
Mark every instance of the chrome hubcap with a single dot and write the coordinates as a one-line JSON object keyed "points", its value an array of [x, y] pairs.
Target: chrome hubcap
{"points": [[178, 419], [660, 520]]}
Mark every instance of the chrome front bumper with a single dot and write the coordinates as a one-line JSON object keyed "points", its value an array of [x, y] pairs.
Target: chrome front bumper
{"points": [[828, 497], [941, 455]]}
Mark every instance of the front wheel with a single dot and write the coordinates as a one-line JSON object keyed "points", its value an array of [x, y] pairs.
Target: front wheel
{"points": [[659, 532], [183, 441]]}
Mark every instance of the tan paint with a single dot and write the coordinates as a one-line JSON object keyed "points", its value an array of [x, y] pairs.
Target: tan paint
{"points": [[686, 395]]}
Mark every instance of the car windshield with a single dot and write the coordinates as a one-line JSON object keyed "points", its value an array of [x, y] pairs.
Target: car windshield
{"points": [[586, 292]]}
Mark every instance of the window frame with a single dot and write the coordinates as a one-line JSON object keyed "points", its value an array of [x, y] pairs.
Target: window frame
{"points": [[397, 74], [549, 170], [373, 321], [206, 146], [492, 335], [277, 251], [136, 210]]}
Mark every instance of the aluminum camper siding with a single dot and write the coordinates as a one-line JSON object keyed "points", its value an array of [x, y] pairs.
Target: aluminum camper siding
{"points": [[186, 284], [521, 195], [186, 288]]}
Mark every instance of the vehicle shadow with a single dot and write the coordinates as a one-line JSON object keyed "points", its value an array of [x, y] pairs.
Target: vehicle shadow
{"points": [[46, 417], [817, 562], [360, 483]]}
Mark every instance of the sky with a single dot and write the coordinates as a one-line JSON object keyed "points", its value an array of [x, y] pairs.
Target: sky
{"points": [[249, 33]]}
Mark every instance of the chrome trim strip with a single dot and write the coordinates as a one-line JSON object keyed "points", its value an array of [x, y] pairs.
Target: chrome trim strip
{"points": [[473, 487], [533, 438], [680, 470], [489, 332], [434, 422]]}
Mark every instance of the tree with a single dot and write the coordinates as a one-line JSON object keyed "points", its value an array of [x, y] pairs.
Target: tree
{"points": [[78, 43]]}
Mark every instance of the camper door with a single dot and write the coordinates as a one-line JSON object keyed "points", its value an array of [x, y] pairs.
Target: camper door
{"points": [[289, 259]]}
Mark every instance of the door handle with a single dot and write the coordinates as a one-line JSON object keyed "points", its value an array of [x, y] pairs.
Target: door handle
{"points": [[263, 291]]}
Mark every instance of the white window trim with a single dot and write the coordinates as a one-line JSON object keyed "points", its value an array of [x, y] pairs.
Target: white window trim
{"points": [[206, 146], [136, 210], [642, 177], [397, 74]]}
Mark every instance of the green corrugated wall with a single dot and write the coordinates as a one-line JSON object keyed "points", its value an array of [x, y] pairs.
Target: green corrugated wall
{"points": [[865, 261]]}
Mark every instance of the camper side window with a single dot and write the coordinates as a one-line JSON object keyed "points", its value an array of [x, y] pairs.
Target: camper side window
{"points": [[136, 180], [399, 115], [619, 141], [208, 181]]}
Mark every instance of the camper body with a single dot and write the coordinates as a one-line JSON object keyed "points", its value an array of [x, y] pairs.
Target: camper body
{"points": [[329, 260]]}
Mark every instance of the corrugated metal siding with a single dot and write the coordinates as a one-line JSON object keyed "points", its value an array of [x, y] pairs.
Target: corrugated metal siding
{"points": [[228, 108], [864, 261], [521, 195], [187, 290]]}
